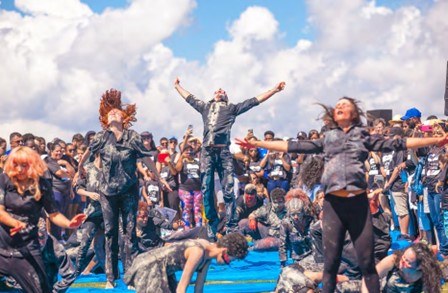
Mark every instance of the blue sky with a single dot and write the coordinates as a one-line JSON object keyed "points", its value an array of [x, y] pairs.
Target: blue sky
{"points": [[387, 53]]}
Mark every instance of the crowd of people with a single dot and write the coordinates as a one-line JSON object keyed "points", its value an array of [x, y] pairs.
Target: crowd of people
{"points": [[326, 200]]}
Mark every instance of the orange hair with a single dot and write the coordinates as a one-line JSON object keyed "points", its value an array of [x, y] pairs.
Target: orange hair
{"points": [[37, 167], [110, 100]]}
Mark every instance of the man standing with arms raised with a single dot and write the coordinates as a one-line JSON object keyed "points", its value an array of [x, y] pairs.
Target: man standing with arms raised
{"points": [[218, 116]]}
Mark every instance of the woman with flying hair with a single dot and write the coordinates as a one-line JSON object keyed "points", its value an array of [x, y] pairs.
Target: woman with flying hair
{"points": [[24, 195], [154, 271], [118, 148], [345, 149]]}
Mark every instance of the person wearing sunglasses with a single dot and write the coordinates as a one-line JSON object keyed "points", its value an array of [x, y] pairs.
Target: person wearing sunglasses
{"points": [[154, 271]]}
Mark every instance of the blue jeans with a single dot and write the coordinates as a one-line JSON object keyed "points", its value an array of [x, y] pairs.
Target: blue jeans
{"points": [[218, 159], [434, 201]]}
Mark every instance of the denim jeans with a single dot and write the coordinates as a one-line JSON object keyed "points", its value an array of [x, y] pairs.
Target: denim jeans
{"points": [[434, 201], [218, 159]]}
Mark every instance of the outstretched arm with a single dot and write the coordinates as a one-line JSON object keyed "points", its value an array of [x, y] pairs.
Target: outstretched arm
{"points": [[266, 95], [183, 92]]}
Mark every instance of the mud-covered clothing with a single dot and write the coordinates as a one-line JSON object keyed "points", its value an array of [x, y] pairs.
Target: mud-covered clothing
{"points": [[94, 222], [242, 210], [20, 255], [57, 262], [344, 155], [26, 209], [118, 160], [218, 118], [154, 271], [149, 235], [268, 217], [292, 279], [397, 284], [295, 239]]}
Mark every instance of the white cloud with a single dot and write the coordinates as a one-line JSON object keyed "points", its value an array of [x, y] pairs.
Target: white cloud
{"points": [[56, 63]]}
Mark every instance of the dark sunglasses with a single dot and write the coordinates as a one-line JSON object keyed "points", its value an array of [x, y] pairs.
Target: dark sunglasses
{"points": [[146, 137], [226, 258]]}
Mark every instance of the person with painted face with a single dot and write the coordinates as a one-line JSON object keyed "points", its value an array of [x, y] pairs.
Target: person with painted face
{"points": [[294, 231], [266, 221], [118, 148], [246, 204], [218, 116], [345, 149]]}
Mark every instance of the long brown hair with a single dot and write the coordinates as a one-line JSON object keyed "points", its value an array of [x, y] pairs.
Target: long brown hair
{"points": [[36, 169], [329, 112], [110, 100]]}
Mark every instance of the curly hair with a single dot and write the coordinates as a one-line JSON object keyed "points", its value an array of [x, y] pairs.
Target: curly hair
{"points": [[36, 169], [236, 245], [329, 112], [426, 260], [311, 172], [110, 100]]}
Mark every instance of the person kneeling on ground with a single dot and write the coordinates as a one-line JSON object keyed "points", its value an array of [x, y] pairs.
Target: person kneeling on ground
{"points": [[154, 271]]}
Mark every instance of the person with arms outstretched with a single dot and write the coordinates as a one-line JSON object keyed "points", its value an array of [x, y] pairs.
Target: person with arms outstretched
{"points": [[218, 116]]}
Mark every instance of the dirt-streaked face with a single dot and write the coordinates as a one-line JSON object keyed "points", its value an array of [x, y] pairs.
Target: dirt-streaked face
{"points": [[344, 112]]}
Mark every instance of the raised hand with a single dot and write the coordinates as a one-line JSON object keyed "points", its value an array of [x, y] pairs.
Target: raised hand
{"points": [[176, 81], [244, 144], [77, 221], [280, 86]]}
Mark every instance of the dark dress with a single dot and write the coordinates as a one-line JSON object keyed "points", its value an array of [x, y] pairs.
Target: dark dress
{"points": [[154, 271]]}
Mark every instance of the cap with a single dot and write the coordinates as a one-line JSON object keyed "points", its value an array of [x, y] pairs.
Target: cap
{"points": [[396, 119], [250, 189], [146, 133], [173, 138], [411, 113], [302, 135]]}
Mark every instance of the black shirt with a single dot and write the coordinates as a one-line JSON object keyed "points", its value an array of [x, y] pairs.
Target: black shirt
{"points": [[344, 155], [26, 209], [218, 118], [60, 184], [190, 176]]}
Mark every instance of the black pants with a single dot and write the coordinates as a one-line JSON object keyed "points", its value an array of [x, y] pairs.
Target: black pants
{"points": [[125, 204], [352, 214], [25, 274]]}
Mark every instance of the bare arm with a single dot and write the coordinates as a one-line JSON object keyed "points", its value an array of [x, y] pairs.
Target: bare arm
{"points": [[278, 145], [6, 219], [415, 143], [60, 220], [194, 256], [183, 92], [200, 278], [266, 95]]}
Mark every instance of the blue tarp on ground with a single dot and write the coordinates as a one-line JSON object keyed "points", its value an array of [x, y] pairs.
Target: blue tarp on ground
{"points": [[257, 273]]}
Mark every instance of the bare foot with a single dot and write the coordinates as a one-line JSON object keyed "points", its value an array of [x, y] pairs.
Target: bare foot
{"points": [[110, 285]]}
